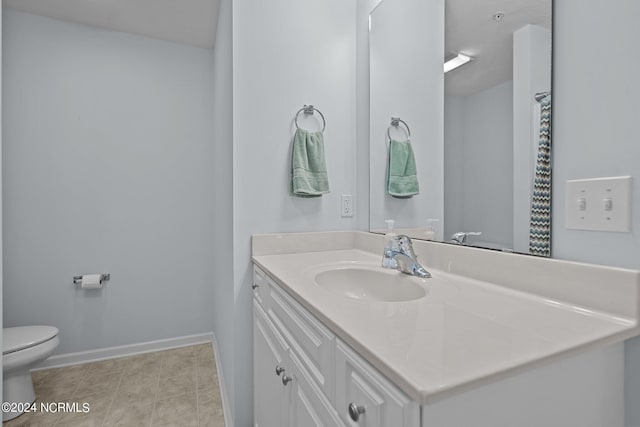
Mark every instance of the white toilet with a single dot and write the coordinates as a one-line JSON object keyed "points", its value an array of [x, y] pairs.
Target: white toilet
{"points": [[22, 348]]}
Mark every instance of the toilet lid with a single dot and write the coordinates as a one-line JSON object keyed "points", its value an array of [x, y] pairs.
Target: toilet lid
{"points": [[21, 337]]}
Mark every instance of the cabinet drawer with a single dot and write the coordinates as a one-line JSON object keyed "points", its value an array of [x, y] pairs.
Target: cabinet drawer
{"points": [[313, 343], [358, 383], [261, 288]]}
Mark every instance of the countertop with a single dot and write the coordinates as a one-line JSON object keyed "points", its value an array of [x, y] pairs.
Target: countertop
{"points": [[465, 333]]}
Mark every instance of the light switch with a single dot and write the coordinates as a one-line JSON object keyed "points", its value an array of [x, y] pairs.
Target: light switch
{"points": [[582, 204], [600, 204]]}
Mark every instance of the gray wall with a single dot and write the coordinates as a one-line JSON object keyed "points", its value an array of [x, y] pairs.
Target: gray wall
{"points": [[108, 167], [363, 7], [531, 75], [406, 81], [1, 231], [454, 119], [479, 168], [222, 307], [595, 134], [286, 53]]}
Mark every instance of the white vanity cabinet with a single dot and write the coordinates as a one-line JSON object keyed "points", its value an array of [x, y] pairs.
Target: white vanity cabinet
{"points": [[293, 369], [514, 341], [320, 380]]}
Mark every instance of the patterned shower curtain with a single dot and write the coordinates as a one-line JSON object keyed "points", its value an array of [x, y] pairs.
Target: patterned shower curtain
{"points": [[540, 226]]}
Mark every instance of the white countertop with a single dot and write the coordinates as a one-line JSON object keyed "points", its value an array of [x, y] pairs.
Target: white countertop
{"points": [[464, 333]]}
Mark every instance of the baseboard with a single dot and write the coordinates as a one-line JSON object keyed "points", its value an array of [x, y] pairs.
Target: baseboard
{"points": [[226, 409], [60, 360]]}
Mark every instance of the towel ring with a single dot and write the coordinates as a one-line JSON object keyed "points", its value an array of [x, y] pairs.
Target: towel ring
{"points": [[309, 109], [395, 121]]}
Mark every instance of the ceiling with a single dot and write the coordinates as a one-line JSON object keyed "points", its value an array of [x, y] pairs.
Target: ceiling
{"points": [[191, 22], [471, 29]]}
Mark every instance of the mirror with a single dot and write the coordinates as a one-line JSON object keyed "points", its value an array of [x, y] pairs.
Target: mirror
{"points": [[480, 133]]}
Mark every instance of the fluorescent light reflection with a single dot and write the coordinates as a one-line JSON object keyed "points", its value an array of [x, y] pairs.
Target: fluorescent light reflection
{"points": [[456, 62]]}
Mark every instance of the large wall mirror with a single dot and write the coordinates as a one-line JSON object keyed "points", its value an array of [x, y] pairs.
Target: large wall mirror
{"points": [[480, 133]]}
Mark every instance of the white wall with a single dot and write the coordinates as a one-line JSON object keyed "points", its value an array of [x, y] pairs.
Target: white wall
{"points": [[595, 134], [108, 167], [286, 53], [479, 156], [531, 75], [222, 304], [407, 81]]}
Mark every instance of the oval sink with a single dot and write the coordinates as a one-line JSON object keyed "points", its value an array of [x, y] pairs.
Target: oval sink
{"points": [[371, 285]]}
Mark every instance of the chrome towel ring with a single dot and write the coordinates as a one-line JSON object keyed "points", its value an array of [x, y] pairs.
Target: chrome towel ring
{"points": [[309, 109], [395, 121]]}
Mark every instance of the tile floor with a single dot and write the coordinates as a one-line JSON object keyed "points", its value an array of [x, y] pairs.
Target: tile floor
{"points": [[176, 387]]}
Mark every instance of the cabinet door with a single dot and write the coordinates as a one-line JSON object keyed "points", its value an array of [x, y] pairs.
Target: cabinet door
{"points": [[376, 401], [308, 406], [309, 339], [270, 397]]}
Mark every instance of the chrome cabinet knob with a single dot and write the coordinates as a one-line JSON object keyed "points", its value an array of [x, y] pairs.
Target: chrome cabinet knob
{"points": [[355, 411], [286, 379], [279, 370]]}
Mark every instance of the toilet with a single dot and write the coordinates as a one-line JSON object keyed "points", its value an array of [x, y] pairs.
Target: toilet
{"points": [[22, 348]]}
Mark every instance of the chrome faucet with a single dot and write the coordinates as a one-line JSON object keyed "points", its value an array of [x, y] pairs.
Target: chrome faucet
{"points": [[460, 238], [405, 258]]}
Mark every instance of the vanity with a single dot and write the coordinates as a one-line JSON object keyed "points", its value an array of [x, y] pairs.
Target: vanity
{"points": [[491, 339]]}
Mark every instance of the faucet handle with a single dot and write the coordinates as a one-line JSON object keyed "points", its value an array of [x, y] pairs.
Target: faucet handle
{"points": [[400, 241], [405, 245]]}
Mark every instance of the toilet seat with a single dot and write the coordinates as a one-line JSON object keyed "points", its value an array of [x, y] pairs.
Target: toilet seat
{"points": [[22, 349], [23, 337]]}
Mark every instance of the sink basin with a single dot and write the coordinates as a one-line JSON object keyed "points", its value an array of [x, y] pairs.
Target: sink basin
{"points": [[372, 284]]}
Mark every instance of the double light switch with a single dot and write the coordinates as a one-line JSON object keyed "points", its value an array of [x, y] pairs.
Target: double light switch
{"points": [[600, 204]]}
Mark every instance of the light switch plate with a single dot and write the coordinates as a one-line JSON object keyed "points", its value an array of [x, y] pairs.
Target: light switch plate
{"points": [[599, 204]]}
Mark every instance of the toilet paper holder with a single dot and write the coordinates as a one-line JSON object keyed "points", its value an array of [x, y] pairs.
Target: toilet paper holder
{"points": [[77, 280]]}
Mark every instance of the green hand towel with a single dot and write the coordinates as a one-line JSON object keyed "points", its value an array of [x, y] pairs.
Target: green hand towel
{"points": [[308, 167], [402, 180]]}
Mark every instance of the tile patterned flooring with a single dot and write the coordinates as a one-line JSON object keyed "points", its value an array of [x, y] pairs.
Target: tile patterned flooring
{"points": [[177, 387]]}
